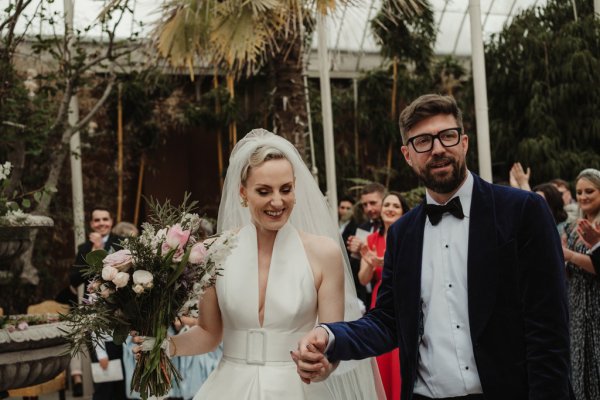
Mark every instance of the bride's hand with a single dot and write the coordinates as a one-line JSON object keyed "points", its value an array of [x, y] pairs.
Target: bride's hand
{"points": [[312, 365]]}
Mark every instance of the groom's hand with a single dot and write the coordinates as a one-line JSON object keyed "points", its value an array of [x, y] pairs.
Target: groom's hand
{"points": [[312, 365]]}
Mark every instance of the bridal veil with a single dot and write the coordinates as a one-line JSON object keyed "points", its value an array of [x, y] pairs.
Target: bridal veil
{"points": [[311, 214]]}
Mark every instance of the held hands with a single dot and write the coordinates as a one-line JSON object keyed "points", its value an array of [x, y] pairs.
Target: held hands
{"points": [[311, 363]]}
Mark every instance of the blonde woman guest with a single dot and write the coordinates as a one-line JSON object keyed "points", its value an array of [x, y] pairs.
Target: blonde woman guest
{"points": [[584, 292]]}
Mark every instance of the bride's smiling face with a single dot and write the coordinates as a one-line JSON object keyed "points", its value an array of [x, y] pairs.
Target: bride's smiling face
{"points": [[269, 191]]}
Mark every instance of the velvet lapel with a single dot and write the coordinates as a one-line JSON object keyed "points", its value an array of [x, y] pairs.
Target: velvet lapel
{"points": [[408, 276], [483, 252]]}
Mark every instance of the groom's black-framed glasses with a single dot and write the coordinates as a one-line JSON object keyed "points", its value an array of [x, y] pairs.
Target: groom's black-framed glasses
{"points": [[423, 143]]}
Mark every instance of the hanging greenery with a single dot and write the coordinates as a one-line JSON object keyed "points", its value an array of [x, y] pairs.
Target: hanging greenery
{"points": [[544, 90]]}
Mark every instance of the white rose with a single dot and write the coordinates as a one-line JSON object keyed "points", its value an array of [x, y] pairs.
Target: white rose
{"points": [[138, 289], [143, 278], [121, 279], [109, 273]]}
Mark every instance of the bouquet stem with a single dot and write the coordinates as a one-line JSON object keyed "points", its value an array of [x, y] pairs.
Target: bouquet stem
{"points": [[154, 374]]}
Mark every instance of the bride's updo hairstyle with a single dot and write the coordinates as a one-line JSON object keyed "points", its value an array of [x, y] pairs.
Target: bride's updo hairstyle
{"points": [[259, 156]]}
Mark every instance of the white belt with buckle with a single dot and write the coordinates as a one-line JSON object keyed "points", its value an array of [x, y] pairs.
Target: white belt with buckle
{"points": [[259, 346]]}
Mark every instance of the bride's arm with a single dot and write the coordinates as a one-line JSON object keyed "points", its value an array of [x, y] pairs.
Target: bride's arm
{"points": [[328, 267], [327, 264], [205, 336]]}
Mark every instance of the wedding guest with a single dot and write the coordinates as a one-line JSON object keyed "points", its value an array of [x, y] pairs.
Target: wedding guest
{"points": [[370, 202], [584, 291], [371, 268], [100, 237], [286, 271], [554, 200], [125, 229], [571, 206], [473, 287], [345, 208]]}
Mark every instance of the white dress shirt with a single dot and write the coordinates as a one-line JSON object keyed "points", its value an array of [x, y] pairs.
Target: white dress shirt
{"points": [[446, 365]]}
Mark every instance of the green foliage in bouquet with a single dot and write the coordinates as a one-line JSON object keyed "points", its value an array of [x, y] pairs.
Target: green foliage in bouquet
{"points": [[145, 286]]}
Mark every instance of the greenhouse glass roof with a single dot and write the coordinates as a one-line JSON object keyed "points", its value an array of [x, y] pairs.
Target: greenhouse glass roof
{"points": [[348, 28]]}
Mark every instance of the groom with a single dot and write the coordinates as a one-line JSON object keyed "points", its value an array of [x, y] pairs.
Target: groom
{"points": [[473, 288]]}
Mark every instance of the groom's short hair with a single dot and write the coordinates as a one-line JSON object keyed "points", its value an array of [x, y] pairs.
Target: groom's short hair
{"points": [[425, 107]]}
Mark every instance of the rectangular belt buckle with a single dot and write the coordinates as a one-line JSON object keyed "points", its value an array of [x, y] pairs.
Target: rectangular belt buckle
{"points": [[256, 347]]}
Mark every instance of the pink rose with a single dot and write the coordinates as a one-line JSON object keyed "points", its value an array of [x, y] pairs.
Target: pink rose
{"points": [[93, 286], [109, 273], [176, 237], [198, 253], [121, 260], [22, 325], [120, 280]]}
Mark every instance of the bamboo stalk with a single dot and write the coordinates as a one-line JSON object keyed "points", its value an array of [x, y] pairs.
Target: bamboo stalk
{"points": [[120, 155], [232, 124], [393, 118], [219, 140], [138, 196]]}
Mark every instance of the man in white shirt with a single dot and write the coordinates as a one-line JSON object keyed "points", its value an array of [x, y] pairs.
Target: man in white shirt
{"points": [[473, 288]]}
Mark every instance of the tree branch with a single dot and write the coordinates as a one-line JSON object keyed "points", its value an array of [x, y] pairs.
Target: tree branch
{"points": [[82, 122]]}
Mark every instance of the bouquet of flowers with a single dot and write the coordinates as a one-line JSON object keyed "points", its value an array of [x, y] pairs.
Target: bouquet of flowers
{"points": [[146, 285]]}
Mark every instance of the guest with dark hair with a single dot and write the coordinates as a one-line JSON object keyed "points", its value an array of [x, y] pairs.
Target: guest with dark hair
{"points": [[370, 200], [554, 199]]}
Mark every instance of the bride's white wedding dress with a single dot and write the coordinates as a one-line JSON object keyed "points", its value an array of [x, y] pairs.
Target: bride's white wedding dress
{"points": [[256, 361]]}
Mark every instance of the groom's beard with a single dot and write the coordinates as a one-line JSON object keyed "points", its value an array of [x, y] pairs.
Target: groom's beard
{"points": [[443, 184]]}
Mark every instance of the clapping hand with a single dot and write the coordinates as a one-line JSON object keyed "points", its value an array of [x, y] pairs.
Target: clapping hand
{"points": [[518, 177], [588, 233], [312, 365]]}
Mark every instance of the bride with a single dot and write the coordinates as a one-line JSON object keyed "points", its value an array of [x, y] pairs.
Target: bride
{"points": [[286, 274]]}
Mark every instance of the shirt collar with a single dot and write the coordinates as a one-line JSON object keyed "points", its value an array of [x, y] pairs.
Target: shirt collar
{"points": [[465, 192]]}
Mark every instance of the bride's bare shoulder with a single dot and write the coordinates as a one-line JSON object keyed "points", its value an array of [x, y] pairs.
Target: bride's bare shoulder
{"points": [[320, 246]]}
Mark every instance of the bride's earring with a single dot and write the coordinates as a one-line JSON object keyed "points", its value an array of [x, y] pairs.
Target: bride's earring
{"points": [[244, 202]]}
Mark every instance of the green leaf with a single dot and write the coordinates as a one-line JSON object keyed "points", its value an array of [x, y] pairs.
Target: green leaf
{"points": [[26, 203], [95, 257], [120, 334]]}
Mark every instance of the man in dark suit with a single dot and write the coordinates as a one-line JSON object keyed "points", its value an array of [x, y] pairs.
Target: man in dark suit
{"points": [[100, 237], [473, 288], [371, 197]]}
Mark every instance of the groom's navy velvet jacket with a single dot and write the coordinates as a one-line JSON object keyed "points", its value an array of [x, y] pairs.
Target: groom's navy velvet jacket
{"points": [[516, 294]]}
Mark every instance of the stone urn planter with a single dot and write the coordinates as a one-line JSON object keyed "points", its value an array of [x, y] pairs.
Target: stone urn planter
{"points": [[14, 235], [31, 356], [17, 274]]}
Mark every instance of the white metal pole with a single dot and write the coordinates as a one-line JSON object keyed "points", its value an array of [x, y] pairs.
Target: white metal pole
{"points": [[327, 115], [75, 143], [76, 187], [597, 8], [481, 104]]}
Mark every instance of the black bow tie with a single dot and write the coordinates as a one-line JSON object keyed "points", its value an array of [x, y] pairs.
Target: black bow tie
{"points": [[435, 212]]}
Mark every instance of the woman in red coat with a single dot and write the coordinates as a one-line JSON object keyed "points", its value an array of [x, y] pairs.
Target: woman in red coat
{"points": [[371, 267]]}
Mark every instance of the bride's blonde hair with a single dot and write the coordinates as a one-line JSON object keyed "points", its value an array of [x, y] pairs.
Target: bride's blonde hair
{"points": [[259, 156]]}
